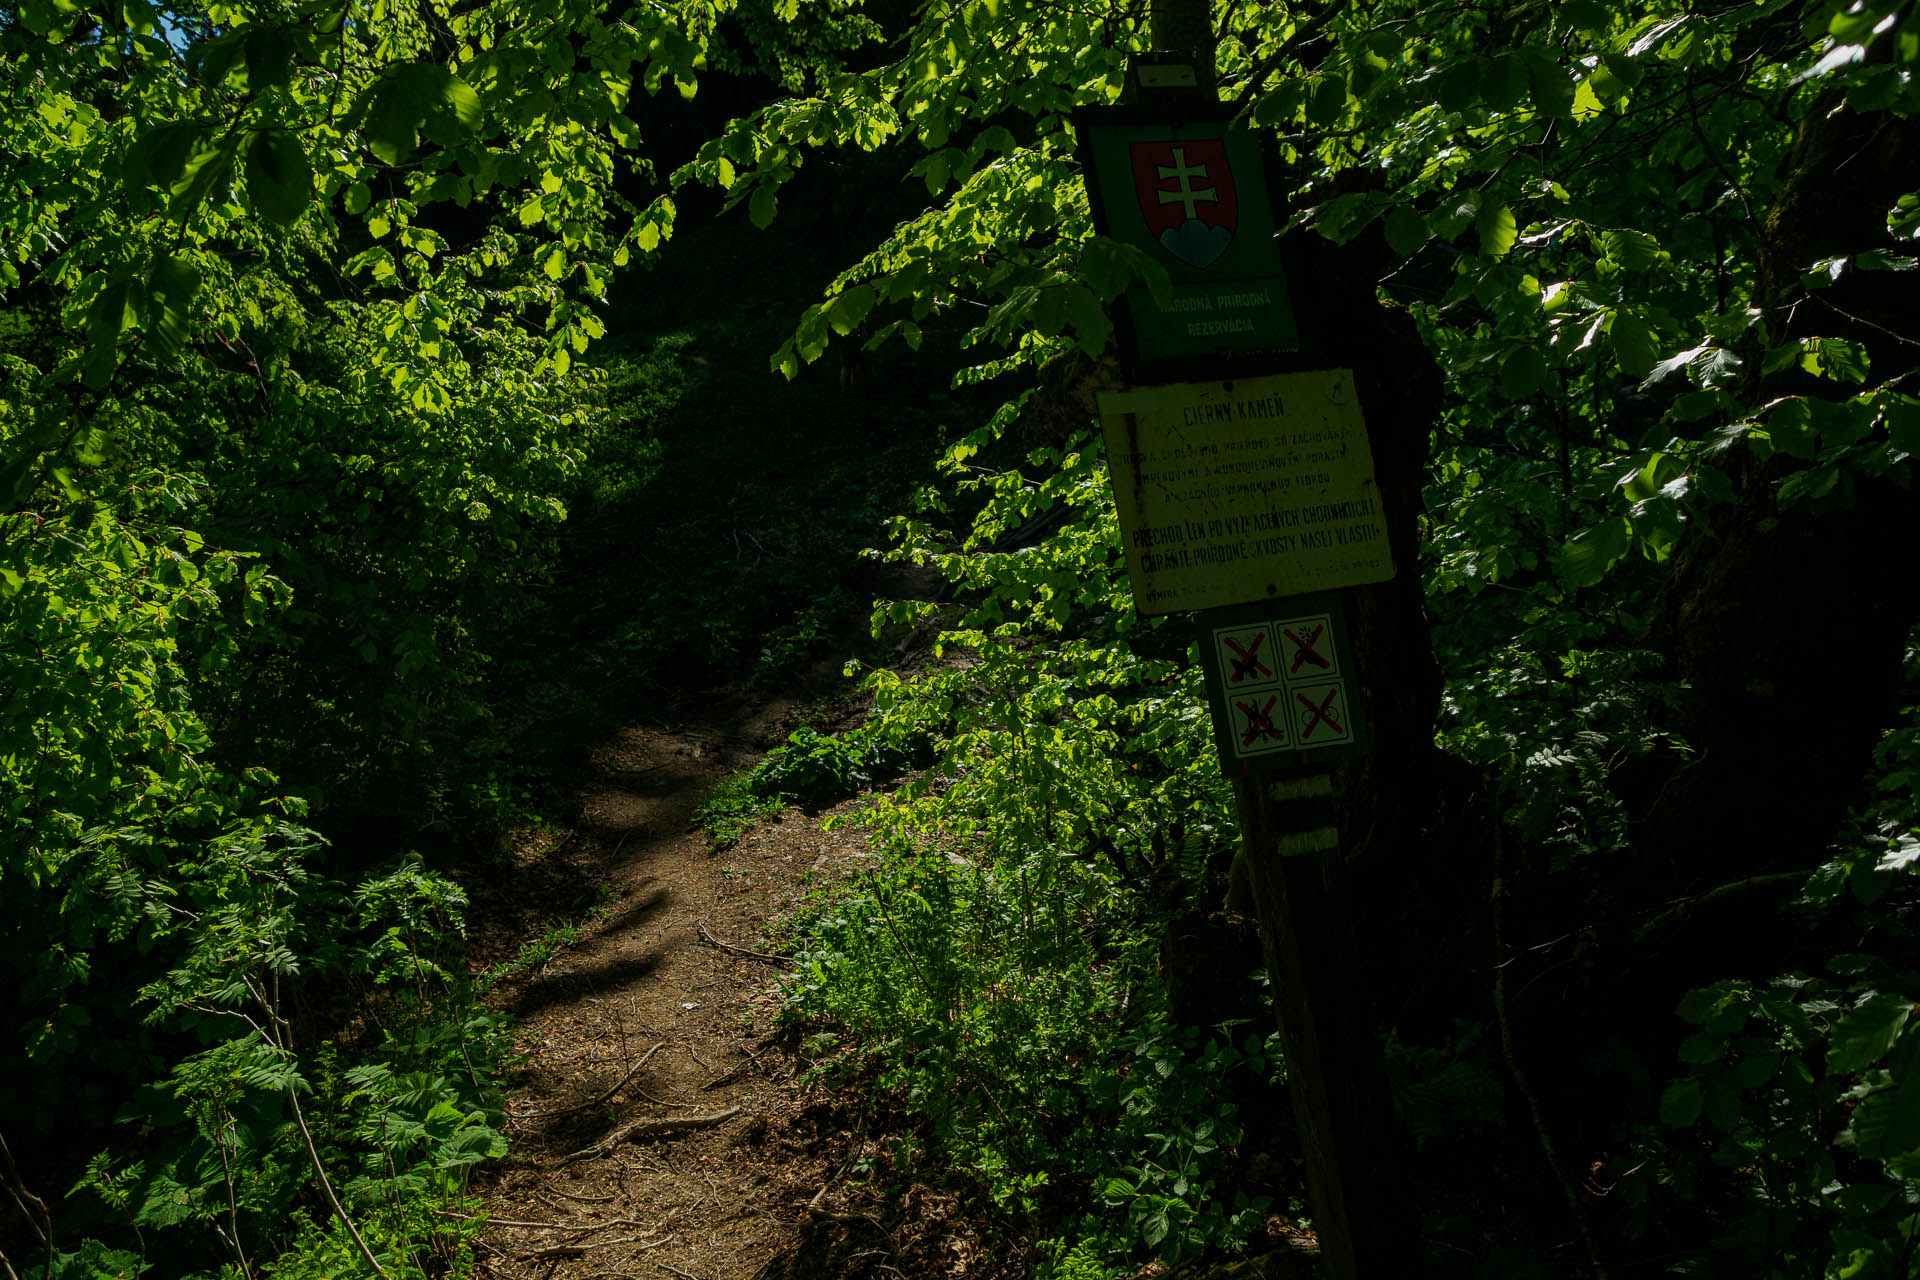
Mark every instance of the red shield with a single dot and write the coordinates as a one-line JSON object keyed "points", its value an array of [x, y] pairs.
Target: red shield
{"points": [[1186, 193]]}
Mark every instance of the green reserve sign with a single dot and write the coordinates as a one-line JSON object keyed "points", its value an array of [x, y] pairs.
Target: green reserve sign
{"points": [[1193, 195]]}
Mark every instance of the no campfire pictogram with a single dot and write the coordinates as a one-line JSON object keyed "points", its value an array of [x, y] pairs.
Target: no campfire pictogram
{"points": [[1256, 724], [1187, 194], [1320, 714], [1306, 648], [1247, 657]]}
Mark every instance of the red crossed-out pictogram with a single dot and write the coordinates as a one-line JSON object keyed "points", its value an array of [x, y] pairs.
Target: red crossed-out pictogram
{"points": [[1260, 723], [1320, 713], [1303, 649], [1247, 664]]}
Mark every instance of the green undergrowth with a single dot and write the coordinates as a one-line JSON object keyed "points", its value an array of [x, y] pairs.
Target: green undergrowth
{"points": [[328, 1102], [811, 770], [731, 808], [993, 974], [538, 952]]}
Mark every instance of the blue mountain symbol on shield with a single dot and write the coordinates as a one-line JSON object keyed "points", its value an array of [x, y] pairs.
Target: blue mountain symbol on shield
{"points": [[1186, 192]]}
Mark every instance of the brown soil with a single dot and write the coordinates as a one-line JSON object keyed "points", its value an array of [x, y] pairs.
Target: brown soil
{"points": [[657, 1015]]}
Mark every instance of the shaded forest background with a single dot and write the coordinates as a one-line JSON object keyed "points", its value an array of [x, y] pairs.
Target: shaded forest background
{"points": [[396, 398]]}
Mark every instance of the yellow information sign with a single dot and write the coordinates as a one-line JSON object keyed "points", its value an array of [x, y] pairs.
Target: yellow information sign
{"points": [[1232, 492]]}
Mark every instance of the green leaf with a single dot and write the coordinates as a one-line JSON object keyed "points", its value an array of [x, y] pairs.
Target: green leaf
{"points": [[1646, 481], [279, 178], [1522, 372], [217, 56], [761, 208], [1834, 358], [1497, 231], [846, 312], [1841, 422], [1634, 344], [1327, 102], [462, 103], [1863, 1037], [1588, 555], [1887, 1124], [1700, 1004], [1552, 86], [1698, 1048], [419, 97], [1722, 1106], [172, 285], [786, 362], [269, 57], [1455, 215], [1406, 230], [111, 313], [393, 122], [1586, 101], [1091, 324], [1631, 250], [1680, 1104], [1457, 87], [158, 156], [1883, 260], [203, 173], [1503, 81], [1902, 416], [1790, 428]]}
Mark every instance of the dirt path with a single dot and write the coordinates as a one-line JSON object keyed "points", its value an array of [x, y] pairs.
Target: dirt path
{"points": [[645, 1020]]}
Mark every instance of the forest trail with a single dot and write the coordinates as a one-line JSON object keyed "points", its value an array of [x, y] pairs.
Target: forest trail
{"points": [[650, 1017]]}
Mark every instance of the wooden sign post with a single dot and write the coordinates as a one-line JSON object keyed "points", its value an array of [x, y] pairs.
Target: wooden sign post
{"points": [[1252, 500]]}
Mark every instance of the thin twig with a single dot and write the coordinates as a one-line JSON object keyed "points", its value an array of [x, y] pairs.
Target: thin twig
{"points": [[326, 1186], [502, 1222], [641, 1130], [1519, 1077], [582, 1106], [785, 962], [17, 1188], [624, 1222], [555, 1251], [731, 1076], [677, 1271], [645, 1242], [1679, 911]]}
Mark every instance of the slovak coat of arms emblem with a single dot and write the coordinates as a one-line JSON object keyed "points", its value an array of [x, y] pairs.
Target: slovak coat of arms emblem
{"points": [[1186, 191]]}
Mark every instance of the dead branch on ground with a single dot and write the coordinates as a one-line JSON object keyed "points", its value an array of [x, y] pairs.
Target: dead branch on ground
{"points": [[641, 1130]]}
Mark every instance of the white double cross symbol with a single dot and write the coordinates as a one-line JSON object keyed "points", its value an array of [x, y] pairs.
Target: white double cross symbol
{"points": [[1187, 196]]}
